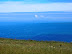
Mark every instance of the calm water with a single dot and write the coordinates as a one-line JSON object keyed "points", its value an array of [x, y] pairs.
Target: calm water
{"points": [[37, 31]]}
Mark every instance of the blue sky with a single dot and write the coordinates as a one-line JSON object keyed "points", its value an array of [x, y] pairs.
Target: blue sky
{"points": [[36, 6], [41, 1]]}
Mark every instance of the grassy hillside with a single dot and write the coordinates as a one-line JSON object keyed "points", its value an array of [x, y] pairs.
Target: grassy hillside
{"points": [[9, 46]]}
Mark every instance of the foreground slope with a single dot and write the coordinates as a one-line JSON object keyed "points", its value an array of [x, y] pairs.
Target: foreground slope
{"points": [[9, 46]]}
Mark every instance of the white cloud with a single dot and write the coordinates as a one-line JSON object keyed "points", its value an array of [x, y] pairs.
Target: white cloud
{"points": [[36, 16], [23, 7]]}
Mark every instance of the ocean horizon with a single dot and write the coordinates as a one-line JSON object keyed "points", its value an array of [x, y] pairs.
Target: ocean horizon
{"points": [[46, 26]]}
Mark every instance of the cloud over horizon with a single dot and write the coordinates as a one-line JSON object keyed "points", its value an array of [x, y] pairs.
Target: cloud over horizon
{"points": [[23, 7]]}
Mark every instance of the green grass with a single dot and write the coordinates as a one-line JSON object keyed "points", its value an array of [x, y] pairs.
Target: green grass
{"points": [[9, 46]]}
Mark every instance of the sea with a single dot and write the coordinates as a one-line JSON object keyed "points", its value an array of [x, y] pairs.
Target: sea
{"points": [[40, 30], [37, 31]]}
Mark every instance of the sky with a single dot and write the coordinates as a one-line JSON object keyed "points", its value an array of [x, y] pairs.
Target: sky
{"points": [[9, 6], [35, 5]]}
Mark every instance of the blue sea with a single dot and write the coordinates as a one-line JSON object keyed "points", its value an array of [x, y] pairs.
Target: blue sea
{"points": [[37, 31], [46, 26]]}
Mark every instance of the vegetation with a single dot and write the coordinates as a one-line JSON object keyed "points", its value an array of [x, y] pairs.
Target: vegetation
{"points": [[10, 46]]}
